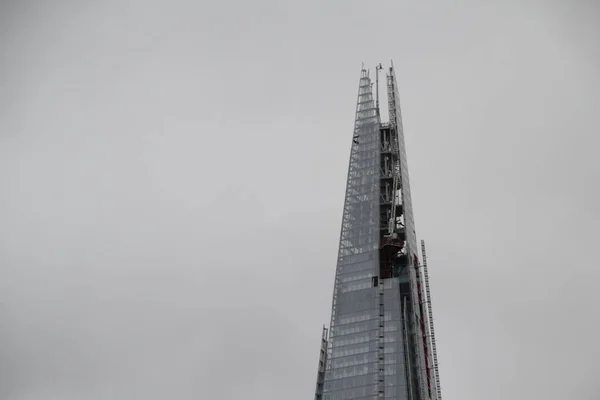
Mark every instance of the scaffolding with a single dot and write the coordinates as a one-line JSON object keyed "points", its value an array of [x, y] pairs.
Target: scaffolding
{"points": [[322, 365], [436, 372]]}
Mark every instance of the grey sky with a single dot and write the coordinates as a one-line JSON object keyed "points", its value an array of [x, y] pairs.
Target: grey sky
{"points": [[172, 178]]}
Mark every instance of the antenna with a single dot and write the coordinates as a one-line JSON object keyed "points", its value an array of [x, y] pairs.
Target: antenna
{"points": [[377, 69]]}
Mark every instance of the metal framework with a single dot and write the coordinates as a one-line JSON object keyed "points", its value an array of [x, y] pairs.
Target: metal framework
{"points": [[322, 364], [380, 344], [436, 372]]}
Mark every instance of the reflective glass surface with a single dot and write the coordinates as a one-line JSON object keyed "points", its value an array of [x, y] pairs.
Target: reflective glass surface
{"points": [[352, 363], [361, 364]]}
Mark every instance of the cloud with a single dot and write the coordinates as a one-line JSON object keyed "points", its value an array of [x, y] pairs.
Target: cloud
{"points": [[172, 178]]}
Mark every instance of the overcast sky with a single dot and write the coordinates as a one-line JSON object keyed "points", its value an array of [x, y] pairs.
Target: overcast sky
{"points": [[172, 176]]}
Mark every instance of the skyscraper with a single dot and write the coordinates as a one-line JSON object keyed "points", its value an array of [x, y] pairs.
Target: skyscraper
{"points": [[380, 343]]}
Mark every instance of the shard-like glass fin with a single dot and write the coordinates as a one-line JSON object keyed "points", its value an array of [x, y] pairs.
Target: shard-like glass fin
{"points": [[352, 363]]}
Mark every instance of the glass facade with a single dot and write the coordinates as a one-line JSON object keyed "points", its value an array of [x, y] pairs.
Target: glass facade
{"points": [[418, 366], [374, 348], [352, 360]]}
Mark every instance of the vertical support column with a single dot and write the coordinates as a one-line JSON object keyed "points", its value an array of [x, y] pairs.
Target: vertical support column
{"points": [[381, 344], [409, 388]]}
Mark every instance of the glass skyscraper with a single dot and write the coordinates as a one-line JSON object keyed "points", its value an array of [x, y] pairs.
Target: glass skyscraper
{"points": [[380, 343]]}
